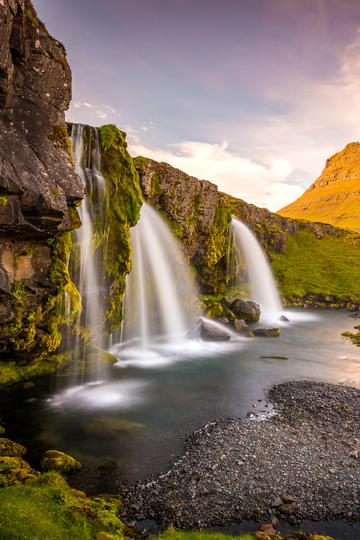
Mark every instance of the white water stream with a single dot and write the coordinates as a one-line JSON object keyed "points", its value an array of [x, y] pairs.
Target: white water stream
{"points": [[263, 289], [88, 271], [160, 298]]}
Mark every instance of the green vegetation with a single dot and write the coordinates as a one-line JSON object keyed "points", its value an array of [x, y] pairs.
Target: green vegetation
{"points": [[22, 334], [3, 200], [326, 266], [47, 508], [53, 460], [355, 338], [124, 200]]}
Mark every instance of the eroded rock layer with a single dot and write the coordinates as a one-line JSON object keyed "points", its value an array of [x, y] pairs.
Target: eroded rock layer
{"points": [[335, 196]]}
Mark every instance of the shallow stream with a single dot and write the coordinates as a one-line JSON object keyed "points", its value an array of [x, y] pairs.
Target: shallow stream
{"points": [[136, 421]]}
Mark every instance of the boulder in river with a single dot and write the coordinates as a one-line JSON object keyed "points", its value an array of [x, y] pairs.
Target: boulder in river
{"points": [[208, 330], [240, 325], [246, 309], [266, 332]]}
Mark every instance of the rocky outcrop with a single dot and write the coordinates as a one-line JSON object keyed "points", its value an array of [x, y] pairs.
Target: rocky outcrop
{"points": [[335, 196], [199, 216], [194, 211], [37, 180], [38, 186]]}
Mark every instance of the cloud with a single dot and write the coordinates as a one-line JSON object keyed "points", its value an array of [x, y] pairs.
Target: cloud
{"points": [[89, 113], [233, 173]]}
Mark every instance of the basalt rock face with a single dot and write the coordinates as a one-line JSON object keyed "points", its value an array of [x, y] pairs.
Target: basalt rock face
{"points": [[335, 196], [192, 209], [199, 215], [38, 186]]}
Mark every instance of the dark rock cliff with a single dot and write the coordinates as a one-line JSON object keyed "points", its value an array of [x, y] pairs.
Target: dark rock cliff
{"points": [[38, 187]]}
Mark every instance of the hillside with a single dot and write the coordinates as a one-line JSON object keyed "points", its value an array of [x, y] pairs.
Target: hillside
{"points": [[313, 263], [335, 196]]}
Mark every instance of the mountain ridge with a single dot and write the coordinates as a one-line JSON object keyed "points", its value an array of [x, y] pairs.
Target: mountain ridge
{"points": [[334, 197]]}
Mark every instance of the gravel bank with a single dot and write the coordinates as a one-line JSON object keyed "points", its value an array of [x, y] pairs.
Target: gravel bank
{"points": [[303, 463]]}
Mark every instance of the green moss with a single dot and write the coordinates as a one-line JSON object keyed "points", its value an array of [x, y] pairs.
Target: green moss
{"points": [[155, 186], [11, 448], [12, 371], [49, 509], [355, 337], [124, 200], [218, 242], [53, 460], [140, 162], [3, 200], [18, 291], [14, 471], [326, 266]]}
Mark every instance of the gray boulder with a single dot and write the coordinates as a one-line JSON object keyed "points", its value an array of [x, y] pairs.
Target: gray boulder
{"points": [[246, 309]]}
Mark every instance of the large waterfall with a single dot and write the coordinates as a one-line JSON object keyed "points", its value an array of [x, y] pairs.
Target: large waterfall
{"points": [[86, 262], [262, 285], [160, 298]]}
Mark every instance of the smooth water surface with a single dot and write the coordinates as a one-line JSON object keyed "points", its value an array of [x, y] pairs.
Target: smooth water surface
{"points": [[140, 418]]}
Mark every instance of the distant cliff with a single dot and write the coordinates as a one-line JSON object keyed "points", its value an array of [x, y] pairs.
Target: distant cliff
{"points": [[314, 263], [335, 196], [38, 186]]}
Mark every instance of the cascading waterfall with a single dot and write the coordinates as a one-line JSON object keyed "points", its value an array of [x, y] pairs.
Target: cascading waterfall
{"points": [[86, 261], [262, 285], [160, 299]]}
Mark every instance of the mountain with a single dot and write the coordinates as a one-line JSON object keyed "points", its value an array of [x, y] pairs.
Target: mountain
{"points": [[335, 196]]}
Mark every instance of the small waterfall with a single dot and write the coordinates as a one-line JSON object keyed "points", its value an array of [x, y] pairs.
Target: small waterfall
{"points": [[86, 261], [160, 299], [262, 285]]}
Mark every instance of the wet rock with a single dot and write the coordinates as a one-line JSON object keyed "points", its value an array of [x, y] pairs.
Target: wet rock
{"points": [[283, 318], [266, 332], [240, 325], [209, 331], [246, 310], [103, 426]]}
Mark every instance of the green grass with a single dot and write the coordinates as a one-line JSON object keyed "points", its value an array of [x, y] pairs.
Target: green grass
{"points": [[327, 266], [48, 509], [39, 511]]}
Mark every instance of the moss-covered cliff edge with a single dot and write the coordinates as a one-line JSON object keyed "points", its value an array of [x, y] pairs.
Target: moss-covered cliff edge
{"points": [[313, 263]]}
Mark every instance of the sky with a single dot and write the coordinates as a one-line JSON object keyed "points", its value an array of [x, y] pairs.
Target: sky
{"points": [[253, 95]]}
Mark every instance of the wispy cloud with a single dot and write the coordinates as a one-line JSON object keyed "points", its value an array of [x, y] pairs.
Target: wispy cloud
{"points": [[233, 173]]}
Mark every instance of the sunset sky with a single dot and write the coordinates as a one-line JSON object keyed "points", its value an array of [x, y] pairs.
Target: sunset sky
{"points": [[253, 95]]}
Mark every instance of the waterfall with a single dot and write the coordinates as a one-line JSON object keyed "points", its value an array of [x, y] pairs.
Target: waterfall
{"points": [[160, 300], [262, 285], [86, 261]]}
